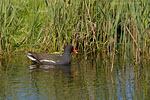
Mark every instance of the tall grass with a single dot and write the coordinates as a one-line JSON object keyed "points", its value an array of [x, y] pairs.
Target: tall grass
{"points": [[48, 25]]}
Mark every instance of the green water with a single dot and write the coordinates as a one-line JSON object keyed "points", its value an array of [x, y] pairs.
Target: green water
{"points": [[89, 79]]}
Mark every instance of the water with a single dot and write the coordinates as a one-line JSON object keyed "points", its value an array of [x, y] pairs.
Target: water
{"points": [[84, 80]]}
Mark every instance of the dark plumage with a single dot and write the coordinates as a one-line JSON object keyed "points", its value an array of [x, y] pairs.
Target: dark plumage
{"points": [[52, 59]]}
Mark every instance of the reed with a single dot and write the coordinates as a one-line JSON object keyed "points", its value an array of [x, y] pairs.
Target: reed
{"points": [[48, 25]]}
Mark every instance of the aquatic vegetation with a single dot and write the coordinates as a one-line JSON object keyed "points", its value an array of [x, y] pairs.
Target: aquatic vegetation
{"points": [[90, 25]]}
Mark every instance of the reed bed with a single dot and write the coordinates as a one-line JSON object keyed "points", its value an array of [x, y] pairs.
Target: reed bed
{"points": [[90, 25]]}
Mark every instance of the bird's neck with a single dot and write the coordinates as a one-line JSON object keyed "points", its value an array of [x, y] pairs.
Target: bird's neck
{"points": [[66, 54]]}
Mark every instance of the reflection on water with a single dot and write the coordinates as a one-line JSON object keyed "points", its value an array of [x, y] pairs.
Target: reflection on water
{"points": [[83, 80]]}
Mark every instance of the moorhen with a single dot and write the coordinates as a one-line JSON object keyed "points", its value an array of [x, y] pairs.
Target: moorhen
{"points": [[52, 59]]}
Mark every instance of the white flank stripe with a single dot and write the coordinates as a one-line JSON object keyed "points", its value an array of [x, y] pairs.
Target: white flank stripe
{"points": [[31, 58], [44, 60]]}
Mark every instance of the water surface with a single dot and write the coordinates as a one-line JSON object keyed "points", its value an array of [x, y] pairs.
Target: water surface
{"points": [[85, 79]]}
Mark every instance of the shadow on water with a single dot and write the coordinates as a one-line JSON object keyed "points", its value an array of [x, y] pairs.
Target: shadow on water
{"points": [[89, 79]]}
